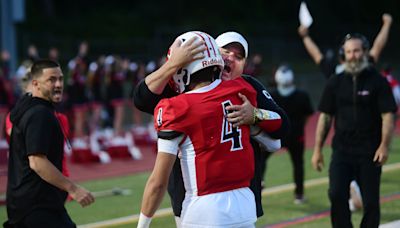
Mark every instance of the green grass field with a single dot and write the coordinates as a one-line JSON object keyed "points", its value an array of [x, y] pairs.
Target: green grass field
{"points": [[278, 207]]}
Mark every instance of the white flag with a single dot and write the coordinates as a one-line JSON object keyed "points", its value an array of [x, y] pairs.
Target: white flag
{"points": [[305, 16]]}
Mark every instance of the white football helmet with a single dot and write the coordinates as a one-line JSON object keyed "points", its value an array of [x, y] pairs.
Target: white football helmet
{"points": [[212, 57]]}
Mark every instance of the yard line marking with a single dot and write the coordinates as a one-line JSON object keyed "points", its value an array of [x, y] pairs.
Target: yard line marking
{"points": [[322, 214], [317, 181], [268, 191]]}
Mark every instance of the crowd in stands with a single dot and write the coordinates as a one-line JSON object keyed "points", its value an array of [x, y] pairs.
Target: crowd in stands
{"points": [[96, 101], [103, 122]]}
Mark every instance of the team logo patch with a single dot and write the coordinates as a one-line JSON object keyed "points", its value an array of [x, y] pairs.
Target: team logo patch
{"points": [[266, 94]]}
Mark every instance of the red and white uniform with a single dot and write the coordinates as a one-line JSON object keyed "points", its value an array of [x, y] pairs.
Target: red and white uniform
{"points": [[217, 160]]}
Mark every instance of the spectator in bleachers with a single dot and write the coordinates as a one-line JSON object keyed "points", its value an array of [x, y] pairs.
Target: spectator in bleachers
{"points": [[6, 94], [115, 77], [77, 98], [139, 75], [96, 77], [54, 54]]}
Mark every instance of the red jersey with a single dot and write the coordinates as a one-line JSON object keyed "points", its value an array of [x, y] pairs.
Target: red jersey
{"points": [[215, 156]]}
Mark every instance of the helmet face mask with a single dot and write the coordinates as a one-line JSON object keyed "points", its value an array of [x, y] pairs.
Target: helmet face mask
{"points": [[181, 79], [212, 57]]}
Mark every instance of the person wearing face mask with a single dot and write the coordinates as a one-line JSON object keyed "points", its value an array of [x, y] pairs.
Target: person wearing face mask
{"points": [[298, 107], [361, 103]]}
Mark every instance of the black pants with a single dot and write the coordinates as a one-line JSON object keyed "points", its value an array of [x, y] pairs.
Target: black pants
{"points": [[44, 218], [296, 152], [343, 169]]}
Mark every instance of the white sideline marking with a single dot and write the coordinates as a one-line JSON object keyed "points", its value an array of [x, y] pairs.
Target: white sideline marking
{"points": [[268, 191], [394, 224]]}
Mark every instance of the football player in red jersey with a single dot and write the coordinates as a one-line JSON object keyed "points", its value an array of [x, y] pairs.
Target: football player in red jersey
{"points": [[155, 87], [216, 157]]}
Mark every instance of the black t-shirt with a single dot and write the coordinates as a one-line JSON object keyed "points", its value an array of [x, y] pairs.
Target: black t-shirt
{"points": [[37, 131], [298, 107], [357, 107]]}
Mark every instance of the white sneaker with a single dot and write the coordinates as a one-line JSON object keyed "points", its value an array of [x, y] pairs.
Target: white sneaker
{"points": [[355, 201], [299, 200]]}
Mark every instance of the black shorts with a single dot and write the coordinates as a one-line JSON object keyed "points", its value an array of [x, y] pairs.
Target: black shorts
{"points": [[44, 218]]}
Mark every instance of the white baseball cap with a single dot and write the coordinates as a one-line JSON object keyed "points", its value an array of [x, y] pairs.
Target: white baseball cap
{"points": [[231, 37]]}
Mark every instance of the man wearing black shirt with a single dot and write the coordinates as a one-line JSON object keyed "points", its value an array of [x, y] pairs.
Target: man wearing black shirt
{"points": [[36, 189], [297, 105], [330, 63], [362, 104], [234, 49]]}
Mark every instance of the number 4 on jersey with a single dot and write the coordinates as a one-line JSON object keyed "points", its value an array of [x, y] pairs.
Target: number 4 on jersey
{"points": [[228, 132]]}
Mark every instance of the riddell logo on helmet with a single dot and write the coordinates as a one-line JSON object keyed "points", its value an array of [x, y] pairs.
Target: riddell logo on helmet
{"points": [[212, 62]]}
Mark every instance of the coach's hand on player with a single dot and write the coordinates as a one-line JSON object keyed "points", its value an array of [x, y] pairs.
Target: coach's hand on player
{"points": [[182, 54], [241, 114], [81, 195]]}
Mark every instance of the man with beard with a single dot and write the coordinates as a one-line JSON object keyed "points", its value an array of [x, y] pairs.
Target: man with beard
{"points": [[267, 115], [362, 104], [36, 189], [330, 63]]}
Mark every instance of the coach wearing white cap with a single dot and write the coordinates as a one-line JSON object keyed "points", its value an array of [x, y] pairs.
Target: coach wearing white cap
{"points": [[235, 49], [268, 116]]}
